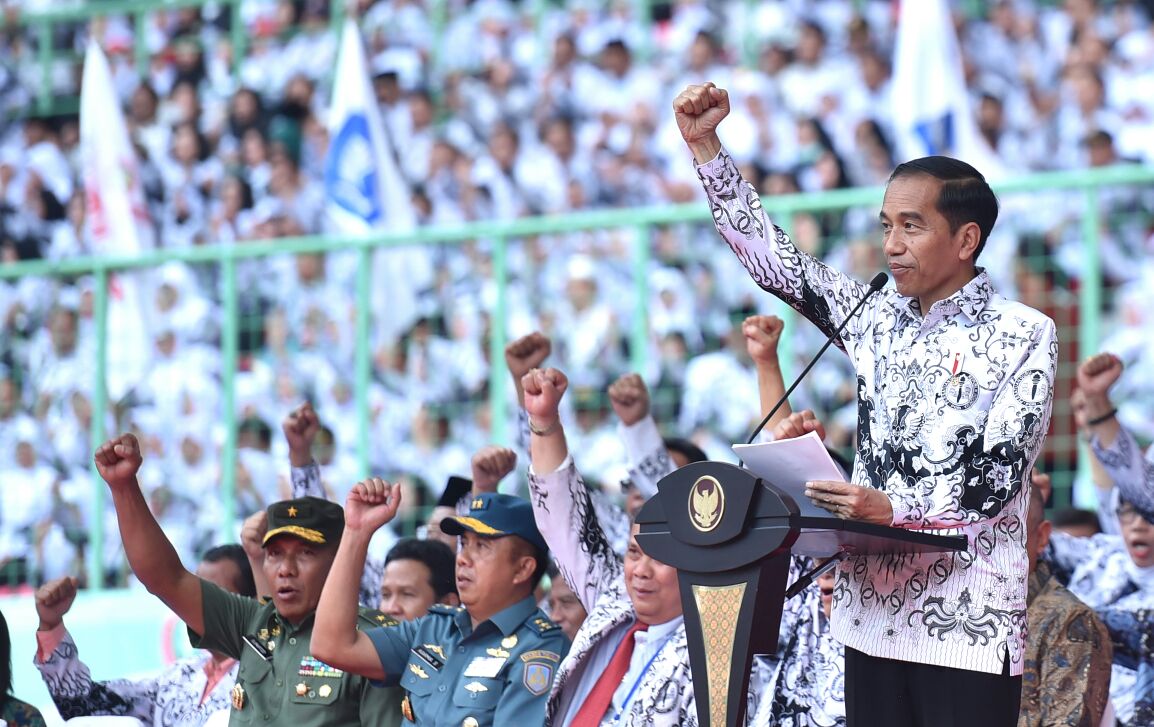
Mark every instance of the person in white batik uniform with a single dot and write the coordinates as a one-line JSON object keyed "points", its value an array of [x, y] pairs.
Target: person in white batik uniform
{"points": [[185, 694], [954, 396], [629, 664]]}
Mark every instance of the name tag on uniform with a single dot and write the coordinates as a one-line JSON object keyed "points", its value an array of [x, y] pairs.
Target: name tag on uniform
{"points": [[484, 667]]}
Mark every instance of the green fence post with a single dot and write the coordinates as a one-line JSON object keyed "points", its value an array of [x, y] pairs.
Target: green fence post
{"points": [[229, 345], [44, 53], [362, 356], [239, 40], [498, 411], [140, 44], [1089, 300], [94, 562], [639, 338]]}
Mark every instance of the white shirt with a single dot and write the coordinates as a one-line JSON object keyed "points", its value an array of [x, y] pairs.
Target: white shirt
{"points": [[647, 645]]}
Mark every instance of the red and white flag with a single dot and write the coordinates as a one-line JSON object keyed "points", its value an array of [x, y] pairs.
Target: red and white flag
{"points": [[117, 220]]}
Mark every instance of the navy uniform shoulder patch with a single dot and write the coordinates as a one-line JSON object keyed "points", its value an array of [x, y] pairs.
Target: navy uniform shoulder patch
{"points": [[541, 625], [373, 617], [537, 677]]}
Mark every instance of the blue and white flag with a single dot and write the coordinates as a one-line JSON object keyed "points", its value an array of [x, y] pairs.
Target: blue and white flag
{"points": [[932, 111], [366, 191]]}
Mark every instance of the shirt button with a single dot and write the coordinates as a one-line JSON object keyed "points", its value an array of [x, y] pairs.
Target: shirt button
{"points": [[441, 688], [461, 649], [265, 717], [279, 683], [293, 640]]}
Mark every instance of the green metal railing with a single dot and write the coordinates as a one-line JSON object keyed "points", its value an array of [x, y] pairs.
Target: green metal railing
{"points": [[502, 234]]}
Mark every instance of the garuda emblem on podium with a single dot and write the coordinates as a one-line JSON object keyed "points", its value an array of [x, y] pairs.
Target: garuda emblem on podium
{"points": [[706, 503]]}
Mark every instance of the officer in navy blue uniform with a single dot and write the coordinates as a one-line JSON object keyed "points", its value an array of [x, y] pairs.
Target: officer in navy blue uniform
{"points": [[490, 661]]}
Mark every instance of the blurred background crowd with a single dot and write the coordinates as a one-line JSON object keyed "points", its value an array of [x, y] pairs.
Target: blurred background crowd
{"points": [[498, 111]]}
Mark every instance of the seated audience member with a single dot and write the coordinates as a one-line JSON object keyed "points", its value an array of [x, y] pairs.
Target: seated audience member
{"points": [[277, 677], [1068, 653], [630, 662], [488, 662], [564, 607], [185, 694], [418, 574], [12, 710], [1117, 573]]}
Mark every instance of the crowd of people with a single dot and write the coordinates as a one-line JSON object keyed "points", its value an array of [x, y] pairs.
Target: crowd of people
{"points": [[560, 114], [501, 115]]}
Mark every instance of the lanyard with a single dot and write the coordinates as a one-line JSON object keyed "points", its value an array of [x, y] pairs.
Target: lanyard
{"points": [[644, 671]]}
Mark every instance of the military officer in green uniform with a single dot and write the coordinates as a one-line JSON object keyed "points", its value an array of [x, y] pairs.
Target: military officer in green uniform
{"points": [[279, 682], [490, 661]]}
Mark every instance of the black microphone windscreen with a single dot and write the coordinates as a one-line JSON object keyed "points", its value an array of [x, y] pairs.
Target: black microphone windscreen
{"points": [[879, 281]]}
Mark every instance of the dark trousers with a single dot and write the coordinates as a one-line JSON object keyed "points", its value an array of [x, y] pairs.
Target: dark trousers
{"points": [[890, 693]]}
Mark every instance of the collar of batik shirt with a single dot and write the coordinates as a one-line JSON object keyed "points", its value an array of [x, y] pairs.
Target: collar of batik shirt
{"points": [[970, 300]]}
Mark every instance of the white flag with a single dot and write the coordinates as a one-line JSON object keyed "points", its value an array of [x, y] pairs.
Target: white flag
{"points": [[932, 112], [366, 190], [117, 219]]}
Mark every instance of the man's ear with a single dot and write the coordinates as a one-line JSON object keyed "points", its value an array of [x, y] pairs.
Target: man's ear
{"points": [[1044, 529], [526, 567], [968, 237], [450, 599]]}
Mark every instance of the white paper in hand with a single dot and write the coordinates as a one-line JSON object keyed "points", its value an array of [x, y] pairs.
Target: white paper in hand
{"points": [[789, 464]]}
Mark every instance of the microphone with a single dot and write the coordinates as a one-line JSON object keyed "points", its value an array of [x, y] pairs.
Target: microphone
{"points": [[876, 284]]}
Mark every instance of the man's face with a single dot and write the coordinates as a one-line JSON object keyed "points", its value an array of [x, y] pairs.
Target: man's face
{"points": [[488, 570], [652, 585], [1138, 534], [565, 608], [407, 589], [223, 573], [296, 570], [925, 258]]}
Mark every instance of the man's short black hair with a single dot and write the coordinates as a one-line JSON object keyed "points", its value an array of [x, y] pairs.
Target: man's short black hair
{"points": [[686, 448], [965, 195], [435, 555], [245, 585], [1069, 517]]}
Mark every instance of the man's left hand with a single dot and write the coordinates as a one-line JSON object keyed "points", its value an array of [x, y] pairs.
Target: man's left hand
{"points": [[851, 502]]}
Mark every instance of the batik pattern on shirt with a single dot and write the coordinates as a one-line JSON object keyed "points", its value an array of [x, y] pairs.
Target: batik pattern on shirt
{"points": [[1097, 571], [803, 684], [565, 516], [1066, 682], [953, 406], [169, 699]]}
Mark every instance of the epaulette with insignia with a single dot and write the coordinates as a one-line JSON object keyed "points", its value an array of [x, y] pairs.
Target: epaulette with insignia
{"points": [[445, 609], [542, 625], [374, 617]]}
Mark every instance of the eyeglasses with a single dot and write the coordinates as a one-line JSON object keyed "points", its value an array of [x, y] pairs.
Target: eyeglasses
{"points": [[1129, 515]]}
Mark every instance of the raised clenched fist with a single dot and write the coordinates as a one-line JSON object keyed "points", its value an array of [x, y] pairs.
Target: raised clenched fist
{"points": [[699, 110], [118, 460], [762, 334], [300, 429], [53, 600], [490, 465], [371, 503], [526, 353], [630, 399], [543, 391], [1098, 373]]}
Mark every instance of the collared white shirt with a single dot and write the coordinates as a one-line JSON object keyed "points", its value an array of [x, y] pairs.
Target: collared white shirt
{"points": [[647, 645], [953, 407]]}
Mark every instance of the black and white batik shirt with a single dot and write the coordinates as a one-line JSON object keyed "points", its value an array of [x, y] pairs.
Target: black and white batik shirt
{"points": [[953, 407]]}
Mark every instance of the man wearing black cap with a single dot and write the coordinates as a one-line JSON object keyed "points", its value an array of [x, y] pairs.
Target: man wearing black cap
{"points": [[279, 682], [488, 662]]}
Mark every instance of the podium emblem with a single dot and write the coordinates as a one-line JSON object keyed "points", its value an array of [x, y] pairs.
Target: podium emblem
{"points": [[706, 503]]}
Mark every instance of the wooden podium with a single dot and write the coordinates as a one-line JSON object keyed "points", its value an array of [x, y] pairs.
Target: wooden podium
{"points": [[730, 535]]}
